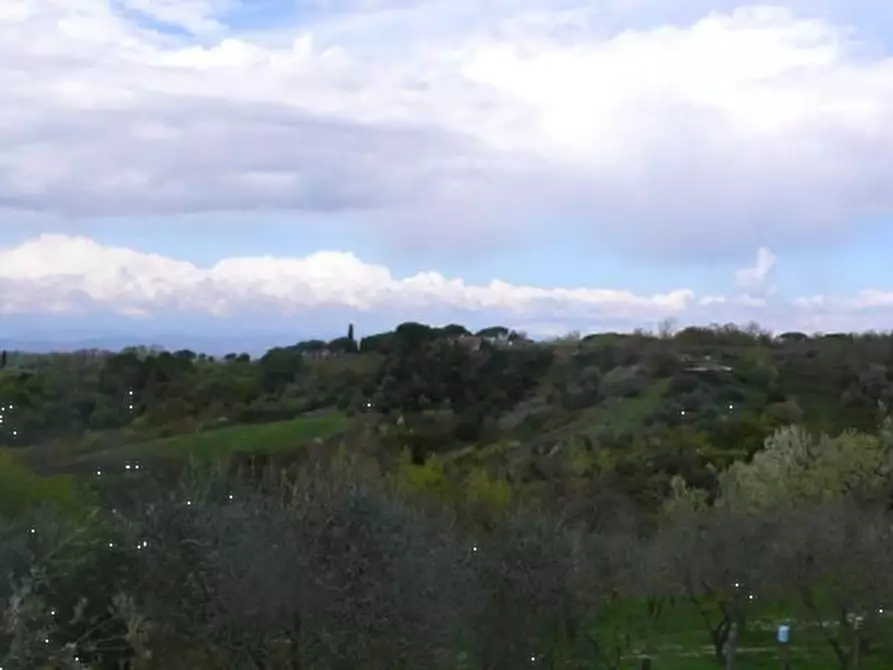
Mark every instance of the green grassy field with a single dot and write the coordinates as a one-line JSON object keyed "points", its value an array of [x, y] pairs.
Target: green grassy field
{"points": [[214, 445], [271, 438], [62, 476], [21, 489]]}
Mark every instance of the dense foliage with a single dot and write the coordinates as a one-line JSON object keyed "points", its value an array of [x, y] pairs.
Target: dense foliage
{"points": [[433, 498], [338, 565], [648, 406]]}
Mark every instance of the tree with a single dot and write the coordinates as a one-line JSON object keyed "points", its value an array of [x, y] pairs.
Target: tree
{"points": [[828, 496], [342, 345], [327, 566], [793, 336], [537, 592], [279, 367], [350, 333], [311, 346], [622, 572], [667, 328], [795, 467], [835, 557], [717, 559], [411, 335], [494, 333], [378, 343], [518, 337], [453, 330]]}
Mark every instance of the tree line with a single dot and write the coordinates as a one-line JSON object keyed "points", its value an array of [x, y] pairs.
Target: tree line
{"points": [[66, 395]]}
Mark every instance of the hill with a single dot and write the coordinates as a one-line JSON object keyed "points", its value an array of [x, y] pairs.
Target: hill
{"points": [[588, 500], [655, 406]]}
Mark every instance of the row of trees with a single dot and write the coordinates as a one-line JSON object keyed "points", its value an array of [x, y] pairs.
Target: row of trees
{"points": [[337, 566], [67, 395]]}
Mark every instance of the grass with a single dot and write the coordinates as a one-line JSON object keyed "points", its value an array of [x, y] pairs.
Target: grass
{"points": [[626, 415], [22, 490], [274, 437], [67, 457], [678, 640], [814, 656]]}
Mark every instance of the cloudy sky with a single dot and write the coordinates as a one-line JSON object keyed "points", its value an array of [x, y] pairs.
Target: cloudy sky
{"points": [[288, 165]]}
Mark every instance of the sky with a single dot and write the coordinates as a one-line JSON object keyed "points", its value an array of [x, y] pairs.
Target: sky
{"points": [[240, 167]]}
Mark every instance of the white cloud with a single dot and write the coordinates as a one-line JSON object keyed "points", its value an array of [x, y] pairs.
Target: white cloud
{"points": [[755, 281], [60, 274], [869, 309], [709, 134], [78, 272]]}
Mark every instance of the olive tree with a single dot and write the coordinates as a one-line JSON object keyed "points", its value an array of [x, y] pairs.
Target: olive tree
{"points": [[795, 467], [716, 558], [827, 496], [835, 558], [536, 591], [621, 571], [65, 592], [333, 572]]}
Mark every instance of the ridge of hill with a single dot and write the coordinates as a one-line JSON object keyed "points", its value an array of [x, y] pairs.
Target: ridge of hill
{"points": [[655, 405]]}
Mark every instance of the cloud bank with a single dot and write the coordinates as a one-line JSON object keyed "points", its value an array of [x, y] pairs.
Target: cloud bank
{"points": [[664, 133], [68, 275]]}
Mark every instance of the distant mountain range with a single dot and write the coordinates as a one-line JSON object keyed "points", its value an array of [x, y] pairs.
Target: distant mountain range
{"points": [[42, 333], [251, 333], [216, 346]]}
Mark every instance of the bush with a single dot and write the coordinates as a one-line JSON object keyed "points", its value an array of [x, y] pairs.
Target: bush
{"points": [[66, 592], [683, 384], [326, 571]]}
